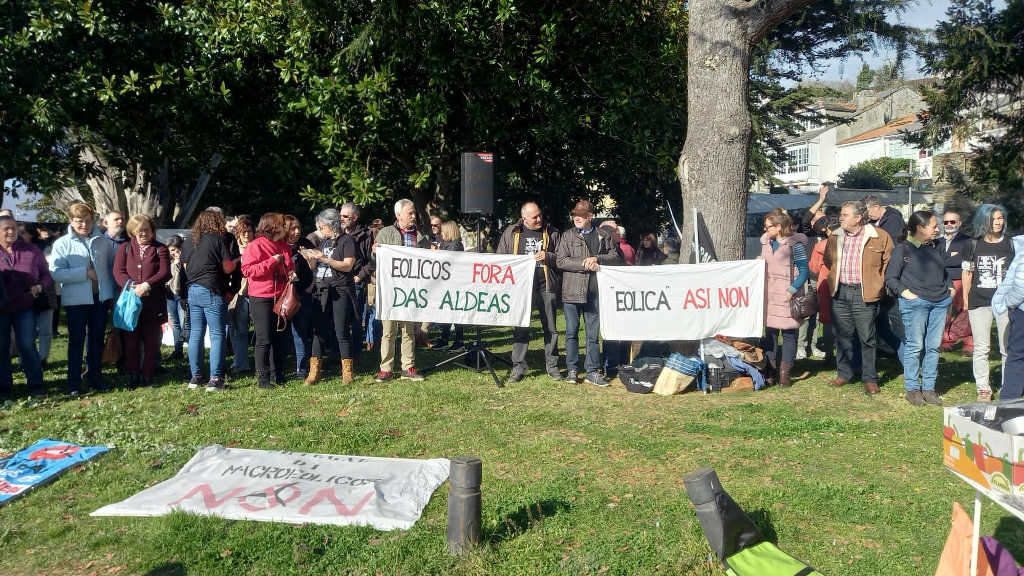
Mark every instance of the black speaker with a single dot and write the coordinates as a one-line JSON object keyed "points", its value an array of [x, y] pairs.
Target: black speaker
{"points": [[477, 176]]}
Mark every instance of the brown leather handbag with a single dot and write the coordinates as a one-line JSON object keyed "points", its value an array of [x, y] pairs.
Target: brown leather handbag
{"points": [[286, 306]]}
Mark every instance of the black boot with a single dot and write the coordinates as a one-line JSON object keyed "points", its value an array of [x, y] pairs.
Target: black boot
{"points": [[263, 380]]}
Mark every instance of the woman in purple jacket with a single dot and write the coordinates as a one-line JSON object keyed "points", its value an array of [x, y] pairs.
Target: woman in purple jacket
{"points": [[25, 275]]}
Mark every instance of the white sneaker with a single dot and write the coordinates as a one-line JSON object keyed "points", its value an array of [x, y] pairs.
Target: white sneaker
{"points": [[801, 354], [817, 352]]}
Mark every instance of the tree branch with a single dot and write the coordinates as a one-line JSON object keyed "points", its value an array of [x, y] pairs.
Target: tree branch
{"points": [[771, 13]]}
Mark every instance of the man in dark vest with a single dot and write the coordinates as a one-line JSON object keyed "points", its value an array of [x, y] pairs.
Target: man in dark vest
{"points": [[363, 270], [531, 235]]}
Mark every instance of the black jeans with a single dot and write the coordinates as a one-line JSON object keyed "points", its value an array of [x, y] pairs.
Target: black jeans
{"points": [[544, 302], [269, 340], [356, 334], [335, 311], [889, 326], [854, 318], [591, 322], [770, 343]]}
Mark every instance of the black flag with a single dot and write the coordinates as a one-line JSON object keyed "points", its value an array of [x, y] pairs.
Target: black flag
{"points": [[707, 247]]}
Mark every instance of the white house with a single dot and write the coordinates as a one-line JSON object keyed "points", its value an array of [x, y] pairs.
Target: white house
{"points": [[886, 141]]}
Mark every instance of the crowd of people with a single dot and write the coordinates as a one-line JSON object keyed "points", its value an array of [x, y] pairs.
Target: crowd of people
{"points": [[883, 286]]}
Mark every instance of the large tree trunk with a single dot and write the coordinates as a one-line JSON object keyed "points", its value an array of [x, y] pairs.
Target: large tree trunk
{"points": [[714, 163]]}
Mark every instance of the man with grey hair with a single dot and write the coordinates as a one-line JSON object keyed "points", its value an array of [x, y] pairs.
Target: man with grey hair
{"points": [[402, 233], [889, 324], [364, 267], [532, 236], [857, 254]]}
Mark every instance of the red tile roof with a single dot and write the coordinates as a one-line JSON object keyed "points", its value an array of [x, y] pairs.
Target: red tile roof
{"points": [[890, 128]]}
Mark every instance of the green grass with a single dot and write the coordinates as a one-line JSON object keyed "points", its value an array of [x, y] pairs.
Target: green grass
{"points": [[577, 479]]}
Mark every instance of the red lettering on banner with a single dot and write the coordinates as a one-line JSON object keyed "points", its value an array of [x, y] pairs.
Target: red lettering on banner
{"points": [[271, 496], [54, 452], [699, 298], [210, 499], [340, 507], [6, 488], [734, 297], [492, 274]]}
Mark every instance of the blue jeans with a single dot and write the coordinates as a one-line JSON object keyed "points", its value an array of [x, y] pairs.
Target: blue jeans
{"points": [[174, 317], [356, 337], [87, 324], [206, 309], [302, 334], [24, 324], [1013, 372], [923, 321], [572, 335]]}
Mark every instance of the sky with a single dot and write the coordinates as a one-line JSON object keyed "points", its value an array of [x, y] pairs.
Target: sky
{"points": [[924, 14]]}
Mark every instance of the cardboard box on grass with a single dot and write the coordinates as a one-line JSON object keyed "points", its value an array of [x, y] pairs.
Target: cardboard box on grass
{"points": [[989, 457]]}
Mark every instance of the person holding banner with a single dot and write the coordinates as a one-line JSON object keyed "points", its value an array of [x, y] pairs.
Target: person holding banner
{"points": [[267, 264], [334, 298], [580, 254], [531, 235], [402, 233], [782, 251]]}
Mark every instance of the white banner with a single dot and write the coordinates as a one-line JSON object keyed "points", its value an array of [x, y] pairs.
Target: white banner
{"points": [[419, 285], [682, 301], [293, 487]]}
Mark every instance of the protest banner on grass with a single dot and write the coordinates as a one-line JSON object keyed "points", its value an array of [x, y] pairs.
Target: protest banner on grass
{"points": [[40, 463], [293, 487], [420, 285], [682, 301]]}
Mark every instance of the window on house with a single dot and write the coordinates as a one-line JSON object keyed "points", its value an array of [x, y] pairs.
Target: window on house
{"points": [[796, 159]]}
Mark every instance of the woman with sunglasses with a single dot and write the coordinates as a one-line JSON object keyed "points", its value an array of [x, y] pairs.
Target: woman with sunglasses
{"points": [[783, 251]]}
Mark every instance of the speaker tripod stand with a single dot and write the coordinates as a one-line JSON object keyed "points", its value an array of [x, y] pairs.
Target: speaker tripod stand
{"points": [[479, 357], [477, 353]]}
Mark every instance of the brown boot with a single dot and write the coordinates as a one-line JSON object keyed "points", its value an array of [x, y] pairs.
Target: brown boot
{"points": [[314, 371], [784, 381], [346, 371]]}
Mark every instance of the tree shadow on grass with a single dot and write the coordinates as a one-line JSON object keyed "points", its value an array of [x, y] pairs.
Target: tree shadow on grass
{"points": [[517, 523], [1010, 533], [168, 569]]}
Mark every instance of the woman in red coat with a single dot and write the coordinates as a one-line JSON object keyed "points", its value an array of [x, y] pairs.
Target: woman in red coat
{"points": [[267, 263], [147, 263]]}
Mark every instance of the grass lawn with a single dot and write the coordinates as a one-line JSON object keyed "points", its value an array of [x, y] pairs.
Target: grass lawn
{"points": [[577, 479]]}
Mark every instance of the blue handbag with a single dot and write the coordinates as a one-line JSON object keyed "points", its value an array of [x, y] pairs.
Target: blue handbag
{"points": [[127, 309]]}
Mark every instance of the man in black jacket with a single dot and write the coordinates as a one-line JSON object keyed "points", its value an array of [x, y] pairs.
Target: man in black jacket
{"points": [[953, 244], [889, 323], [531, 235], [363, 270]]}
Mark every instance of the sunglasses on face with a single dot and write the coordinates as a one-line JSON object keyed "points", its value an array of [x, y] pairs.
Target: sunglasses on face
{"points": [[950, 221]]}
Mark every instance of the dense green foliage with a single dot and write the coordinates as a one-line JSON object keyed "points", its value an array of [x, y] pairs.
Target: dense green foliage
{"points": [[978, 51], [876, 173]]}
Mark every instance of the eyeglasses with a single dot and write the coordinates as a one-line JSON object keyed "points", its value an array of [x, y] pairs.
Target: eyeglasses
{"points": [[435, 225], [950, 221]]}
